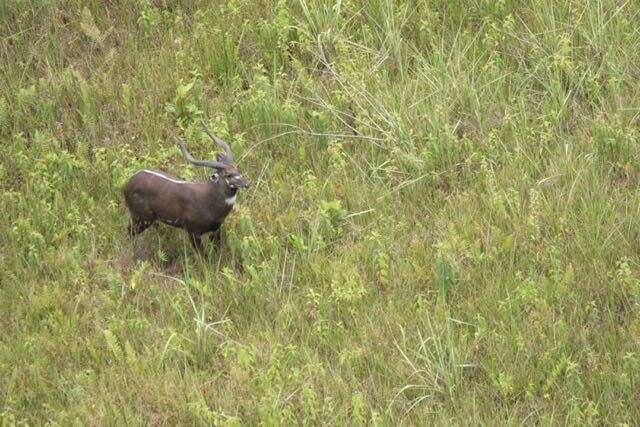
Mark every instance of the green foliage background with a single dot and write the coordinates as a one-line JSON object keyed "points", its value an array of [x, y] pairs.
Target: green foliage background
{"points": [[442, 227]]}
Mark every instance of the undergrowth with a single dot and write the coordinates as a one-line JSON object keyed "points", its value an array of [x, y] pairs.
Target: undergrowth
{"points": [[442, 225]]}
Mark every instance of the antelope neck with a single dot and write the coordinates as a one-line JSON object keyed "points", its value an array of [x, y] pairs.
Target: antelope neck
{"points": [[228, 192], [230, 197]]}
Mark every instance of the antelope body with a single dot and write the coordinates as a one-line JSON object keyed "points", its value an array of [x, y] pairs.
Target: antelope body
{"points": [[197, 207]]}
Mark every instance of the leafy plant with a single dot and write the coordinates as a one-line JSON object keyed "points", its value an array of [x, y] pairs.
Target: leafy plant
{"points": [[185, 107]]}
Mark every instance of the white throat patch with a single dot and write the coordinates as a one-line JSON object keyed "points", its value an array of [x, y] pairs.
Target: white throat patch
{"points": [[230, 201]]}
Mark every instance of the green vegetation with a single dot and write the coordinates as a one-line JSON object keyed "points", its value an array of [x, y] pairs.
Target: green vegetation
{"points": [[442, 226]]}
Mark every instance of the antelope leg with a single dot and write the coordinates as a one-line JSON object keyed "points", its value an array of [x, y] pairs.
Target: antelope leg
{"points": [[215, 234], [137, 226], [196, 241]]}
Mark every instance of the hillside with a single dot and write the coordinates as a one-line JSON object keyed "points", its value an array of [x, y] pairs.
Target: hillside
{"points": [[442, 224]]}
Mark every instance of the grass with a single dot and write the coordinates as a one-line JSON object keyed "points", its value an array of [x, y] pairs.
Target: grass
{"points": [[442, 226]]}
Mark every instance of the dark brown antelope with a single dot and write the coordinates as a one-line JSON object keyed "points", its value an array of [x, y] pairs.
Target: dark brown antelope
{"points": [[197, 207]]}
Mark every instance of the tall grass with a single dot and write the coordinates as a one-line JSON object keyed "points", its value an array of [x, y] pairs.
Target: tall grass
{"points": [[442, 225]]}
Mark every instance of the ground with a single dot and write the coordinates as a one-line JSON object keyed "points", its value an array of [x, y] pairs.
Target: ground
{"points": [[442, 225]]}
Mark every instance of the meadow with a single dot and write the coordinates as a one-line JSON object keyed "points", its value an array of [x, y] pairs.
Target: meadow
{"points": [[442, 226]]}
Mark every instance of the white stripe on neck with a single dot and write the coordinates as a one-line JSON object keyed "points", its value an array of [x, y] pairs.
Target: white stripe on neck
{"points": [[164, 176], [230, 201]]}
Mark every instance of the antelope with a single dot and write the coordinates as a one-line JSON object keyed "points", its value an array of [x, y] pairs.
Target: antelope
{"points": [[197, 207]]}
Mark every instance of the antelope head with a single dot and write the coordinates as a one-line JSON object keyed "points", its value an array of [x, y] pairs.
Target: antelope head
{"points": [[224, 165]]}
